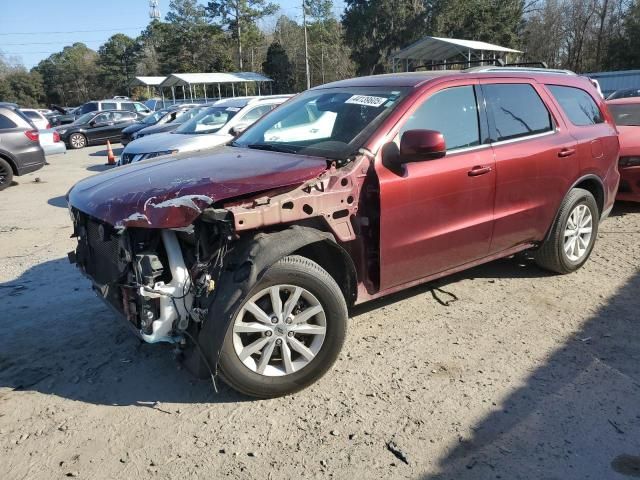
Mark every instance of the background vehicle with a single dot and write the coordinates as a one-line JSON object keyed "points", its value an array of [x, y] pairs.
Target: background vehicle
{"points": [[112, 104], [626, 113], [37, 118], [268, 241], [20, 151], [158, 118], [627, 93], [64, 116], [51, 142], [184, 116], [96, 128], [213, 126]]}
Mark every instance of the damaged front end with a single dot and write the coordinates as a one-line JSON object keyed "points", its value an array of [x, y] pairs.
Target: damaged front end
{"points": [[158, 279]]}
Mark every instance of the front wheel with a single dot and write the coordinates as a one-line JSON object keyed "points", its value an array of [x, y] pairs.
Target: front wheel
{"points": [[572, 235], [288, 331], [6, 174], [77, 140]]}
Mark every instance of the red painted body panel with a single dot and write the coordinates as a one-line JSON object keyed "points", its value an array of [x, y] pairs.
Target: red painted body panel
{"points": [[171, 193], [630, 176]]}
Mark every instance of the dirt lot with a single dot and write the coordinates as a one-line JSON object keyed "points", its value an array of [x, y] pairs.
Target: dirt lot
{"points": [[525, 375]]}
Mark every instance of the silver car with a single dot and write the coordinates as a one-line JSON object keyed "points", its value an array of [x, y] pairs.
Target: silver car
{"points": [[214, 126]]}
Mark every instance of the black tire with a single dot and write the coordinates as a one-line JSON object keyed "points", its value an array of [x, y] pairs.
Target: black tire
{"points": [[302, 272], [77, 140], [6, 174], [551, 255]]}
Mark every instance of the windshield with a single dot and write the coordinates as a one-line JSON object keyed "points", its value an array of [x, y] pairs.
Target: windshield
{"points": [[154, 117], [84, 118], [331, 123], [626, 115], [209, 120]]}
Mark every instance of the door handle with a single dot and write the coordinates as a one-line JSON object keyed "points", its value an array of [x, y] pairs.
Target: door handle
{"points": [[478, 170], [566, 152]]}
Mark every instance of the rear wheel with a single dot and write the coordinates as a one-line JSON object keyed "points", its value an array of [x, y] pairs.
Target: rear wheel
{"points": [[573, 234], [77, 140], [287, 333], [6, 174]]}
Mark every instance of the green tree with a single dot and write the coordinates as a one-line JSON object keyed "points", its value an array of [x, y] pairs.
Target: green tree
{"points": [[240, 17], [624, 49], [373, 29], [278, 67], [117, 63], [22, 87]]}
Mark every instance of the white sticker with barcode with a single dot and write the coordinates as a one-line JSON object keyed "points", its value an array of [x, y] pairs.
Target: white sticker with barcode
{"points": [[366, 100]]}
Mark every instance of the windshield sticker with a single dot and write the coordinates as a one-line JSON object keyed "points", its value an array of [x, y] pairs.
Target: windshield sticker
{"points": [[233, 109], [366, 100]]}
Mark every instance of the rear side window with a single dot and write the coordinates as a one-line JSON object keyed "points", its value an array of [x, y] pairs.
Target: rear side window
{"points": [[137, 106], [452, 112], [517, 110], [128, 106], [109, 106], [6, 123], [32, 115], [87, 107], [256, 113], [577, 104]]}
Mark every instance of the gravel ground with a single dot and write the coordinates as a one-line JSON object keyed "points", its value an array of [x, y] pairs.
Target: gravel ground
{"points": [[502, 371]]}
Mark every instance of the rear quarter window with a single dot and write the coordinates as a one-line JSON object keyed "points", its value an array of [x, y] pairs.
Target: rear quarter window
{"points": [[578, 105], [109, 106], [6, 123], [517, 110]]}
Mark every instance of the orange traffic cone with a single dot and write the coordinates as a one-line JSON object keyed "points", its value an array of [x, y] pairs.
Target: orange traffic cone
{"points": [[111, 159]]}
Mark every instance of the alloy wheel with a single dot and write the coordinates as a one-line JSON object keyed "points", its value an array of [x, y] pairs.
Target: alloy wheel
{"points": [[78, 141], [578, 232], [279, 330], [4, 176]]}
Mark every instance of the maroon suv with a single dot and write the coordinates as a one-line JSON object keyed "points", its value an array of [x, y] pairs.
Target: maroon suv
{"points": [[248, 256]]}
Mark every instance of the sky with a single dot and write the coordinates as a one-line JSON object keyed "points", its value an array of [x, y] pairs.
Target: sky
{"points": [[31, 30]]}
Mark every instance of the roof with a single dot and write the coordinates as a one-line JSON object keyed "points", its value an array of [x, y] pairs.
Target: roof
{"points": [[439, 48], [176, 79], [148, 81], [415, 79]]}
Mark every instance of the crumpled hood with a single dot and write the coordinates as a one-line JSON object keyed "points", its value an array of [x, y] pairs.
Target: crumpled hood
{"points": [[172, 192]]}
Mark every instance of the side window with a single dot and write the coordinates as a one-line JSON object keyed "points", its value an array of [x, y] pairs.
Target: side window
{"points": [[102, 118], [6, 123], [452, 112], [517, 110], [256, 113], [109, 106], [128, 106], [577, 104], [137, 106], [31, 115]]}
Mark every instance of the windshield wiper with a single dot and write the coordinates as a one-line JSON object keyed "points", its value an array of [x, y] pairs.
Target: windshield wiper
{"points": [[271, 148]]}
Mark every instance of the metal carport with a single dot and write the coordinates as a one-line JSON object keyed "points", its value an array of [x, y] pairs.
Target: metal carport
{"points": [[437, 51], [147, 82], [193, 80]]}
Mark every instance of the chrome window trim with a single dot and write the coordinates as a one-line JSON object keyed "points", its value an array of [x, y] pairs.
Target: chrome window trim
{"points": [[526, 137]]}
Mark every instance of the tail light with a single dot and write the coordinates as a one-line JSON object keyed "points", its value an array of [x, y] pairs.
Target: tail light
{"points": [[32, 135], [48, 126], [56, 137]]}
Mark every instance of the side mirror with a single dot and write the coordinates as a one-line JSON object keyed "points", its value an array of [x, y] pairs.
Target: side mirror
{"points": [[418, 145], [238, 129]]}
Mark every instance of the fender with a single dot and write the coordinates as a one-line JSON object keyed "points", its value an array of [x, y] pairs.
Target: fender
{"points": [[10, 159], [578, 181], [251, 258]]}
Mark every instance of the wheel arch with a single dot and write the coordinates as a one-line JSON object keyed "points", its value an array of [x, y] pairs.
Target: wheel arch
{"points": [[593, 184], [251, 258], [10, 160]]}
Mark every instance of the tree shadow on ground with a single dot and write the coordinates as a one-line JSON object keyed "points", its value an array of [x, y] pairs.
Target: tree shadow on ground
{"points": [[576, 417], [60, 339]]}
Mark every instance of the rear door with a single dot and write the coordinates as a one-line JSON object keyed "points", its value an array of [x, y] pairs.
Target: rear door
{"points": [[438, 214], [535, 160], [100, 128]]}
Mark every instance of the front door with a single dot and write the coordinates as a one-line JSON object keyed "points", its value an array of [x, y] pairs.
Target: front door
{"points": [[438, 214]]}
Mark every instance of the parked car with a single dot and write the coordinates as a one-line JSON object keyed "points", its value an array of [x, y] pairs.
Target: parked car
{"points": [[626, 93], [113, 104], [64, 116], [626, 113], [37, 118], [95, 128], [20, 151], [51, 142], [157, 119], [213, 126], [256, 250], [184, 116]]}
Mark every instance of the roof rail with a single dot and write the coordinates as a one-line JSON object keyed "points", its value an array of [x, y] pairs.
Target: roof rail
{"points": [[509, 68]]}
